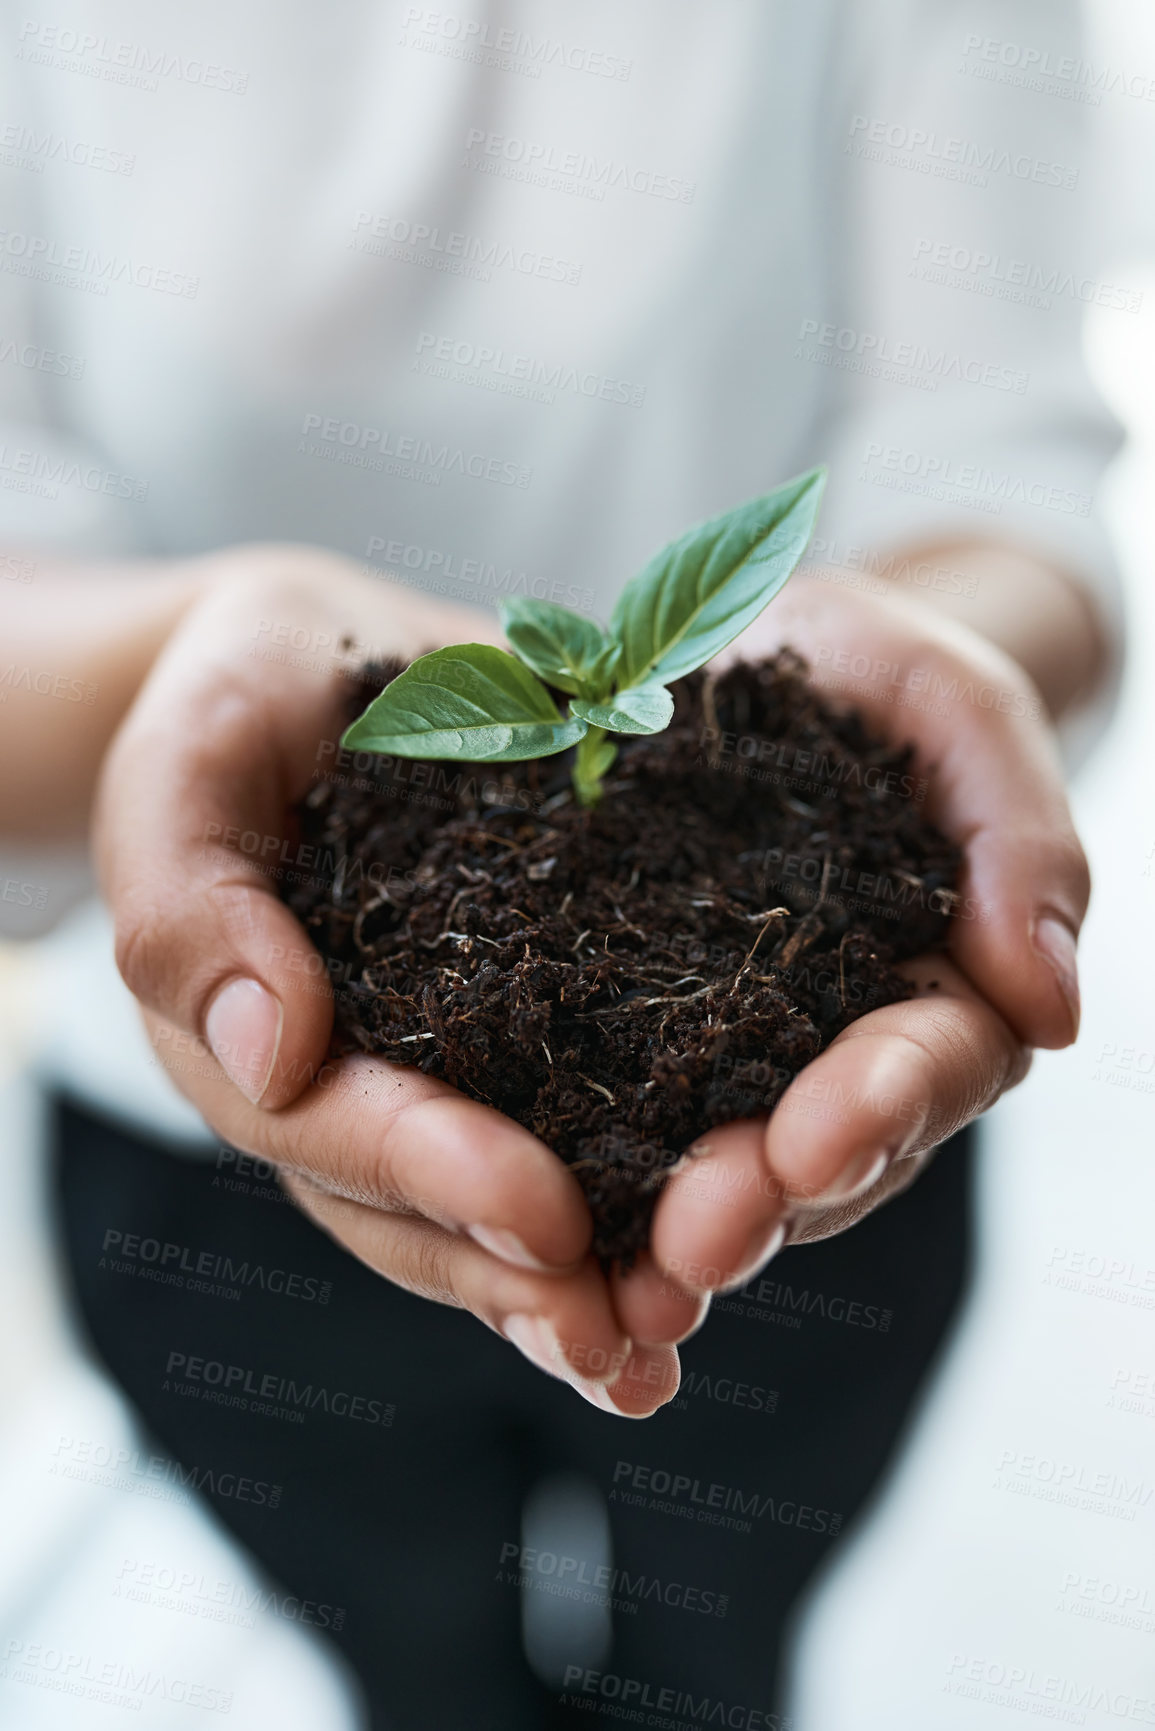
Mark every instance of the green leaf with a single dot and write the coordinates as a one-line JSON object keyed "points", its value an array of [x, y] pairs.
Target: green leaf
{"points": [[473, 702], [703, 589], [639, 709], [558, 644]]}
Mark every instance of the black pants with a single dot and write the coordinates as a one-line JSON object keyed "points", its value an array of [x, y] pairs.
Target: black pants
{"points": [[373, 1450]]}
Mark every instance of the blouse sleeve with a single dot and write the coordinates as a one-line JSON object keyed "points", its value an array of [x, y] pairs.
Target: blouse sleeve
{"points": [[966, 253]]}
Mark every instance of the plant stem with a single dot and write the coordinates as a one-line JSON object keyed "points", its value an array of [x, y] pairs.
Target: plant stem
{"points": [[591, 760]]}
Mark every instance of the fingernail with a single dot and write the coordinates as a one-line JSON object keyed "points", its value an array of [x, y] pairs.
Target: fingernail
{"points": [[534, 1337], [632, 1383], [764, 1244], [599, 1395], [856, 1177], [705, 1300], [507, 1246], [243, 1029], [1055, 942]]}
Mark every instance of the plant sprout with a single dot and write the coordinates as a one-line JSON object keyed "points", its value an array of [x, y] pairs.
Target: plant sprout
{"points": [[481, 704]]}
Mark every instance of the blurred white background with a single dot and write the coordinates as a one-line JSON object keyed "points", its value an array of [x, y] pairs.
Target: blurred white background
{"points": [[972, 1593], [970, 1576]]}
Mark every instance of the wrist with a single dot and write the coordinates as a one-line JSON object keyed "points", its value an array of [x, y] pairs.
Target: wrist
{"points": [[1037, 614], [93, 631]]}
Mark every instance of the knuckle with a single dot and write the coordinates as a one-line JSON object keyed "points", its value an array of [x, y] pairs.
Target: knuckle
{"points": [[1073, 867], [273, 575], [226, 712], [143, 951], [175, 963], [814, 1225], [426, 1264], [231, 909], [1018, 1066]]}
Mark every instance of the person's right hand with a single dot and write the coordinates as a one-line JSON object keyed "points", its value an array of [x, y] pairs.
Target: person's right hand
{"points": [[439, 1193]]}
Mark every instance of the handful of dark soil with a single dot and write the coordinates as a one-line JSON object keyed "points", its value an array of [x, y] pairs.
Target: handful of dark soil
{"points": [[621, 980]]}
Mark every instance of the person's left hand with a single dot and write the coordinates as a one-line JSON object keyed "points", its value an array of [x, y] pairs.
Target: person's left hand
{"points": [[859, 1123]]}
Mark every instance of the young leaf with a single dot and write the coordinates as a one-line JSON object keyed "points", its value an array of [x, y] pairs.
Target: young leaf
{"points": [[640, 709], [559, 645], [472, 702], [702, 590]]}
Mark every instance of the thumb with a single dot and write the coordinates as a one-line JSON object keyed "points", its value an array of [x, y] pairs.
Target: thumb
{"points": [[193, 826]]}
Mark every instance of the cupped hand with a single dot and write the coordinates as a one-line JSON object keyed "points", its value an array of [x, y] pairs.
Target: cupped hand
{"points": [[856, 1126], [440, 1194]]}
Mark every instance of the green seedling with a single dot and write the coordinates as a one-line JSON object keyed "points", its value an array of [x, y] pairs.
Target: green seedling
{"points": [[481, 704]]}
